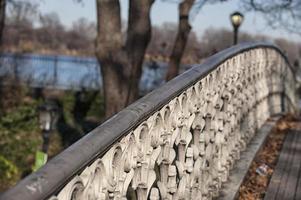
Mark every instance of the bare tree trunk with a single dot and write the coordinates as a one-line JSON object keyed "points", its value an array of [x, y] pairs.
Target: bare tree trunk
{"points": [[2, 20], [110, 55], [181, 39], [2, 24], [121, 64], [138, 38]]}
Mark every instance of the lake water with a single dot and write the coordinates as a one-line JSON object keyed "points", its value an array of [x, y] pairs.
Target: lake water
{"points": [[68, 72]]}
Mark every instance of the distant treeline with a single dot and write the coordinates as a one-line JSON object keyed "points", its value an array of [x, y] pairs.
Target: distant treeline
{"points": [[29, 31]]}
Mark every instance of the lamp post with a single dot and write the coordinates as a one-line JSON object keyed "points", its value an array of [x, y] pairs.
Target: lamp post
{"points": [[236, 20], [47, 119]]}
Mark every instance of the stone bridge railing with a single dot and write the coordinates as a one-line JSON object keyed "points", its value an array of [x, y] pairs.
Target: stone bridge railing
{"points": [[179, 141]]}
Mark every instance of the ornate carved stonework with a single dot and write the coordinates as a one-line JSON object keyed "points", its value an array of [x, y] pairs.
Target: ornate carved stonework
{"points": [[186, 149]]}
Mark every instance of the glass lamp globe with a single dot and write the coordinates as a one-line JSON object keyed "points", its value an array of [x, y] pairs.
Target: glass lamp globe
{"points": [[236, 19]]}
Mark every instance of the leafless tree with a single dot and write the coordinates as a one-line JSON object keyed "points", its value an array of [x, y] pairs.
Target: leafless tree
{"points": [[284, 14], [279, 14], [187, 10], [22, 12], [81, 36], [181, 39], [19, 19], [2, 19], [85, 28], [215, 40], [51, 31], [51, 21], [121, 62], [121, 54]]}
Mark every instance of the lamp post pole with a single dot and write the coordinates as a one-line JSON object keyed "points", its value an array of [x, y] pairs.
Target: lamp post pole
{"points": [[236, 20], [47, 118], [235, 35], [46, 136]]}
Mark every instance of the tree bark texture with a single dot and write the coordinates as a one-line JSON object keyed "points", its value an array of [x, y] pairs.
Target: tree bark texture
{"points": [[2, 19], [121, 63], [181, 39]]}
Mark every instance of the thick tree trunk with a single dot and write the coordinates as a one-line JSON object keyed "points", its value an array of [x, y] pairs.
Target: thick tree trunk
{"points": [[181, 39], [2, 20], [138, 38], [2, 24], [110, 55], [121, 64]]}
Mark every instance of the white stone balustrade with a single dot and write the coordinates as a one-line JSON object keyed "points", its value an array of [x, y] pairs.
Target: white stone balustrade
{"points": [[178, 142], [186, 149]]}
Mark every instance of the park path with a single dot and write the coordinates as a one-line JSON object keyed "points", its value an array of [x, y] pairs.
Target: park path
{"points": [[286, 179]]}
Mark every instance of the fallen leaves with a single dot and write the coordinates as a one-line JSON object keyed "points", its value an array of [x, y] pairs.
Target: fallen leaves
{"points": [[255, 185]]}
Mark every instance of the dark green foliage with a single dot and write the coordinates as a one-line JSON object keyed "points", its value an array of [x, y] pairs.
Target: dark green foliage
{"points": [[97, 108], [20, 138], [79, 113], [8, 172]]}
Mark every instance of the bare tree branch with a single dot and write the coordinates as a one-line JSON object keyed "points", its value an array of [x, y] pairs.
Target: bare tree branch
{"points": [[284, 14]]}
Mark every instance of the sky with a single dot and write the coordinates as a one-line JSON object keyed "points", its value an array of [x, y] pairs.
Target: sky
{"points": [[214, 16]]}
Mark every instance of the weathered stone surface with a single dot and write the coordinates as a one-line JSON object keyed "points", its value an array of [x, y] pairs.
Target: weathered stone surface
{"points": [[186, 148], [178, 142]]}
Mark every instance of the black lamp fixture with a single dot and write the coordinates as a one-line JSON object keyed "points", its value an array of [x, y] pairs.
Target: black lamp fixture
{"points": [[47, 118], [236, 20]]}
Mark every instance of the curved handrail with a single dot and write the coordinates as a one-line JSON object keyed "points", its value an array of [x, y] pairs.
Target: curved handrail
{"points": [[58, 171]]}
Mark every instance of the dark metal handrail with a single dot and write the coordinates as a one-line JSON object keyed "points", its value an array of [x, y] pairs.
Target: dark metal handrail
{"points": [[56, 173]]}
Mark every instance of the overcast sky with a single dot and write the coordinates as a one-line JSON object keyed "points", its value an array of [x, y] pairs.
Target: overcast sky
{"points": [[216, 15]]}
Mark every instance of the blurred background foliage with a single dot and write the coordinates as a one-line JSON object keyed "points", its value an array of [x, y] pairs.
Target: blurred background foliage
{"points": [[20, 133], [27, 30]]}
